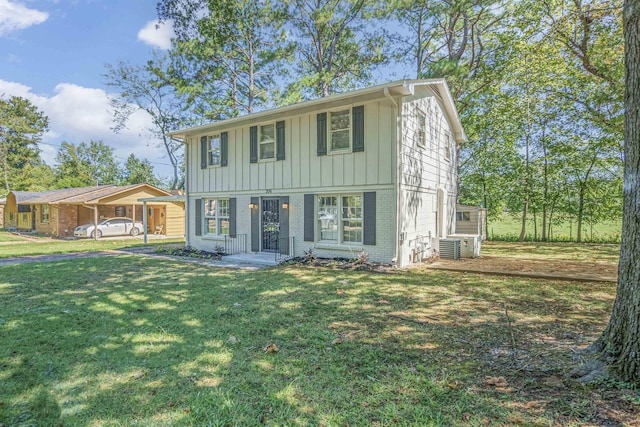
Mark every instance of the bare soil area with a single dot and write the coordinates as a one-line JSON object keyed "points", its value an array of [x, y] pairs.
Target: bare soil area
{"points": [[548, 268]]}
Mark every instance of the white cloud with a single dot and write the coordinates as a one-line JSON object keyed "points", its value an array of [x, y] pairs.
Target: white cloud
{"points": [[157, 34], [16, 16], [80, 114]]}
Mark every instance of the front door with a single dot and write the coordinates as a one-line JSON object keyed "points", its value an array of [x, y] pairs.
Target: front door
{"points": [[270, 224]]}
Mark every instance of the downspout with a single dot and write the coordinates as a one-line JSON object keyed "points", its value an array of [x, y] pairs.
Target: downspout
{"points": [[187, 209], [398, 252]]}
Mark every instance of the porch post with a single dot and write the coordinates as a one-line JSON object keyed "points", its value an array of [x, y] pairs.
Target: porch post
{"points": [[95, 222], [144, 220]]}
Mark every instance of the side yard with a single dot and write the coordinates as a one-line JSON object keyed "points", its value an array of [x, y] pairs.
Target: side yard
{"points": [[130, 340], [12, 245]]}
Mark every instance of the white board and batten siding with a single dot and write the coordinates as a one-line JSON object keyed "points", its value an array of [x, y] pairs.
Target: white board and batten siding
{"points": [[302, 169]]}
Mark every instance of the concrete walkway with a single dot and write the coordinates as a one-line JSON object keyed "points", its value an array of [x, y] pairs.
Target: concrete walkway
{"points": [[241, 261]]}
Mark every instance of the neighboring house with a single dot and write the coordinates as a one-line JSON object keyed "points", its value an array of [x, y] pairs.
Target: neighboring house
{"points": [[3, 202], [371, 170], [58, 212], [471, 220]]}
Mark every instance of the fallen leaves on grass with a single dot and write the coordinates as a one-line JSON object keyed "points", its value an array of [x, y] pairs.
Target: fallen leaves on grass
{"points": [[271, 348], [336, 341], [498, 382], [454, 385]]}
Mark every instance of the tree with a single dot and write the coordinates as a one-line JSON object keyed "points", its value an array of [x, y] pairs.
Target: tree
{"points": [[21, 127], [85, 165], [226, 53], [146, 88], [34, 176], [335, 47], [138, 171], [620, 342]]}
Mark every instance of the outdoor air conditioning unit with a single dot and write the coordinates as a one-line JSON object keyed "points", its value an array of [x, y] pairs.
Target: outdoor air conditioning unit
{"points": [[469, 244], [450, 248]]}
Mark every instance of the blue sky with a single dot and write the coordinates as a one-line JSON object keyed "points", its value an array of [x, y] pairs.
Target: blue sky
{"points": [[53, 52]]}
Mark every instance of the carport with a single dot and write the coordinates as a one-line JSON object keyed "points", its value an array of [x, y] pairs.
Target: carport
{"points": [[169, 209]]}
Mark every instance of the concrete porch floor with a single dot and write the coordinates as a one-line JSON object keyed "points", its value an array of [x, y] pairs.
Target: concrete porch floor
{"points": [[253, 258]]}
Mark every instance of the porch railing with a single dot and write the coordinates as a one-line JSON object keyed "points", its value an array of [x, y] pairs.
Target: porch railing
{"points": [[235, 244], [285, 248]]}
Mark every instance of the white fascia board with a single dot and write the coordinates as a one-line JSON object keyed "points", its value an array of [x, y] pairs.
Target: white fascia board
{"points": [[400, 88]]}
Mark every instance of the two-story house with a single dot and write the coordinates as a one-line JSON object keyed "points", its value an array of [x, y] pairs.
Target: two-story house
{"points": [[370, 170]]}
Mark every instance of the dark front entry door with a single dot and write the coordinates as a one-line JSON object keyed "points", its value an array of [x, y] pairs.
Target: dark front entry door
{"points": [[270, 224]]}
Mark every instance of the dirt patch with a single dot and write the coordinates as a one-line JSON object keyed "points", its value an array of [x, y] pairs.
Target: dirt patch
{"points": [[549, 268]]}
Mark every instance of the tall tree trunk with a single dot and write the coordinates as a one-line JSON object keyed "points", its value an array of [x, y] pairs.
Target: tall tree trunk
{"points": [[484, 203], [620, 342], [580, 210], [526, 190], [545, 193]]}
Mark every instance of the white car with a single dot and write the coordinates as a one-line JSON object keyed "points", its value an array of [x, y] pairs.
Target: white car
{"points": [[110, 227]]}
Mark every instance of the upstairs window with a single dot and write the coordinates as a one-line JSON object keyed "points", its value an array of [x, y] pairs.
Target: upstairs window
{"points": [[214, 150], [267, 141], [340, 130], [447, 145], [421, 132]]}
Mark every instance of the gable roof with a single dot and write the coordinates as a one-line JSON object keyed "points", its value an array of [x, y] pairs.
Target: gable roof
{"points": [[438, 87], [87, 195]]}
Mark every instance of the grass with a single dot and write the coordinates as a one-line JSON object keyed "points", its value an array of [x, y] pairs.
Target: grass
{"points": [[553, 251], [9, 237], [126, 340], [44, 245], [507, 227]]}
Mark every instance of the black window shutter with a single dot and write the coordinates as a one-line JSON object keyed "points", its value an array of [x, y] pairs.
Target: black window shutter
{"points": [[280, 140], [224, 149], [309, 217], [253, 144], [357, 114], [369, 220], [255, 224], [322, 134], [203, 152], [198, 217], [283, 236], [232, 217]]}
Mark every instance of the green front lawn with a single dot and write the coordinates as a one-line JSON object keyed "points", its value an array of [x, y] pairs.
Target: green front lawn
{"points": [[5, 236], [127, 340], [45, 245]]}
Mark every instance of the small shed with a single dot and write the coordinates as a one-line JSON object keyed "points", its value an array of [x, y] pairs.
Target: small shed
{"points": [[471, 220], [58, 212]]}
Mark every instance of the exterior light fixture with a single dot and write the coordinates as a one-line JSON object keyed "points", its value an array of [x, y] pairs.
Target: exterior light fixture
{"points": [[285, 206], [253, 206]]}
